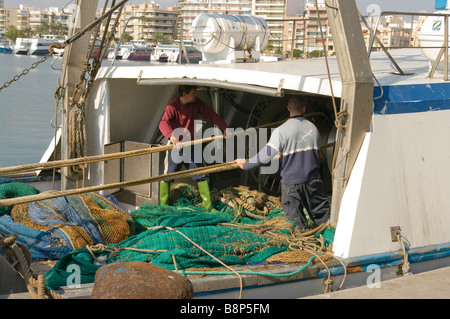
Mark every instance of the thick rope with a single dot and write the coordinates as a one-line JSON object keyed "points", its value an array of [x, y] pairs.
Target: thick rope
{"points": [[187, 173], [106, 157], [36, 286]]}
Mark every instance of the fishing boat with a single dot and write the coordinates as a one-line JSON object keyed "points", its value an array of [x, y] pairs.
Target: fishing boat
{"points": [[382, 117], [171, 53], [136, 50], [5, 48], [137, 53], [120, 52]]}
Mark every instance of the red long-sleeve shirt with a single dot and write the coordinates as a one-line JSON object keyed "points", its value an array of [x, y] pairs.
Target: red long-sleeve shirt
{"points": [[178, 115]]}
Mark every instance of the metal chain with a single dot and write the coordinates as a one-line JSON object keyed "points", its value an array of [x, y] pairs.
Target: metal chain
{"points": [[75, 37], [24, 72]]}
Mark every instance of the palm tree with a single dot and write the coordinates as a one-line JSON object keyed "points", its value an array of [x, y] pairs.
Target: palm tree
{"points": [[58, 29], [158, 37], [41, 29]]}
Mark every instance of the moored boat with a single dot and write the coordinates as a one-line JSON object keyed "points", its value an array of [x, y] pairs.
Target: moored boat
{"points": [[136, 50], [22, 46], [40, 46], [137, 53], [5, 48], [171, 53], [117, 54]]}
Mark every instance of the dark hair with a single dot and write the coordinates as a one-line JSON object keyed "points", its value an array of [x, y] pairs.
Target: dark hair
{"points": [[297, 102], [185, 89]]}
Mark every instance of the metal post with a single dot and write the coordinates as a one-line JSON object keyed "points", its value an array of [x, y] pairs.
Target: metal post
{"points": [[304, 37], [294, 27], [356, 96], [446, 48]]}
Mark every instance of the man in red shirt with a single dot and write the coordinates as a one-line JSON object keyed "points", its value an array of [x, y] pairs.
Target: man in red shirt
{"points": [[181, 114]]}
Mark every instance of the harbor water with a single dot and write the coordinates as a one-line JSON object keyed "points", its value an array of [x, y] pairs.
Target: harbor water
{"points": [[28, 106]]}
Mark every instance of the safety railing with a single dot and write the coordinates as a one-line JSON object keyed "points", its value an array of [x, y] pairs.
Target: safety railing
{"points": [[443, 48]]}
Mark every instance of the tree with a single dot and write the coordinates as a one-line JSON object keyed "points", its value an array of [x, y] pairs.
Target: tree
{"points": [[41, 29], [158, 36], [297, 53], [126, 37], [13, 33], [269, 47], [58, 29], [316, 53]]}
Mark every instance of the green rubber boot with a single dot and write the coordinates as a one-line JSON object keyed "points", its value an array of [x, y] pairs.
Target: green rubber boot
{"points": [[203, 188], [164, 191]]}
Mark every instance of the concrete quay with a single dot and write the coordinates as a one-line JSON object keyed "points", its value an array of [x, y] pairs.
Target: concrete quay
{"points": [[434, 284]]}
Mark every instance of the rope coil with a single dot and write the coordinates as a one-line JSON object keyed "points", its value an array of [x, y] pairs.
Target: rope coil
{"points": [[20, 255]]}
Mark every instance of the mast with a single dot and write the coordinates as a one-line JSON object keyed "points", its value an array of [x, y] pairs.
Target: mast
{"points": [[74, 56], [357, 93]]}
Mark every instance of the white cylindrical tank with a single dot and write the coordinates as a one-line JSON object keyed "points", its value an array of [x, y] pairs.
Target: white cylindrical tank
{"points": [[432, 35], [215, 33]]}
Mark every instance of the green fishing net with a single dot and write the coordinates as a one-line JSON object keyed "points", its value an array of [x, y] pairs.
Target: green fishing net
{"points": [[184, 236], [13, 190]]}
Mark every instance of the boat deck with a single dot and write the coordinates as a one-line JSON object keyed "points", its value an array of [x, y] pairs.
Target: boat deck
{"points": [[308, 75], [432, 284]]}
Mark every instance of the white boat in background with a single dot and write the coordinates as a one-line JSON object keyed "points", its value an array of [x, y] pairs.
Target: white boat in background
{"points": [[120, 52], [384, 147], [170, 53], [165, 53], [39, 46], [22, 46], [35, 46], [136, 50], [137, 53]]}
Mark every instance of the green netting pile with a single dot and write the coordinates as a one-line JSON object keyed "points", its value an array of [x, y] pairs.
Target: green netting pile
{"points": [[231, 244], [183, 236], [13, 190]]}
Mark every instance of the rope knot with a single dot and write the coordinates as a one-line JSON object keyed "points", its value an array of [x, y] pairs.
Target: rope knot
{"points": [[328, 282], [341, 120], [8, 241]]}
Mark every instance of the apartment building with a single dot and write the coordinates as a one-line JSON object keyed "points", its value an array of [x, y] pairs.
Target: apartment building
{"points": [[145, 20], [2, 19], [274, 11], [394, 32], [48, 16], [189, 9], [318, 32], [305, 33], [26, 17]]}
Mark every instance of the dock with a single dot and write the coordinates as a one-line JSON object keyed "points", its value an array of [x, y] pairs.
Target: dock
{"points": [[433, 284]]}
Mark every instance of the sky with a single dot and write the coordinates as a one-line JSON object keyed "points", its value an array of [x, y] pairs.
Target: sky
{"points": [[366, 7]]}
